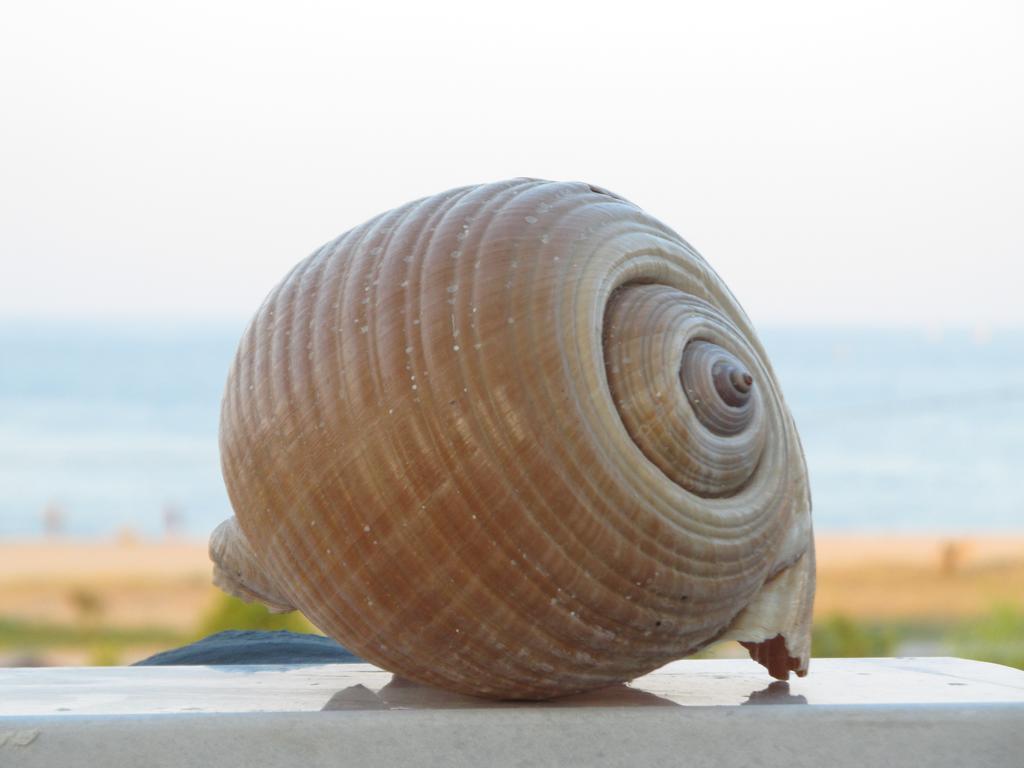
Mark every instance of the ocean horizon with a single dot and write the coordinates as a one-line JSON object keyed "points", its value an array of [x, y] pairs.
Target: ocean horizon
{"points": [[110, 426]]}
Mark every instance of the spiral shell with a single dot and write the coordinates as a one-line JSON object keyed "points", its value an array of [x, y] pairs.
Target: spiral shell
{"points": [[516, 440]]}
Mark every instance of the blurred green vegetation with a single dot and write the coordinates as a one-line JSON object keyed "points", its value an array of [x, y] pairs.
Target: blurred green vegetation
{"points": [[999, 637], [996, 637], [15, 633], [231, 613], [842, 636], [105, 646]]}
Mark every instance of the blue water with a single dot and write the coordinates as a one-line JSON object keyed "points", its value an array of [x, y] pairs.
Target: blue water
{"points": [[113, 424]]}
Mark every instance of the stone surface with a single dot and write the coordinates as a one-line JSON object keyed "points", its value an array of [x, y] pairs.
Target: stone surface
{"points": [[846, 712]]}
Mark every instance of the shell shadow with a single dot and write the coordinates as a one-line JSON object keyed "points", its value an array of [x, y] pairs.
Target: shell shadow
{"points": [[400, 693], [776, 693]]}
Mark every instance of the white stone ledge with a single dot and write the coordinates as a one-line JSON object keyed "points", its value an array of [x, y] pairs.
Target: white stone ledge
{"points": [[913, 712]]}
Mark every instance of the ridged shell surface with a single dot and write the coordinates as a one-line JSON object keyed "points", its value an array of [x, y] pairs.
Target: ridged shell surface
{"points": [[518, 440]]}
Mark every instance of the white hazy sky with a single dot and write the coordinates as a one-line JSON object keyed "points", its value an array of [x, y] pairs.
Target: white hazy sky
{"points": [[853, 163]]}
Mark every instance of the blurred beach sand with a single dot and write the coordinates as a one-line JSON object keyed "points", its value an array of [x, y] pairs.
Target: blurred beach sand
{"points": [[155, 593], [917, 576]]}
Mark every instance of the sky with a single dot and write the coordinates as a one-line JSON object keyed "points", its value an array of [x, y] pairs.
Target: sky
{"points": [[852, 164]]}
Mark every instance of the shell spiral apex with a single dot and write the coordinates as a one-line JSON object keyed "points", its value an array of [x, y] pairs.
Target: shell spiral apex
{"points": [[516, 440]]}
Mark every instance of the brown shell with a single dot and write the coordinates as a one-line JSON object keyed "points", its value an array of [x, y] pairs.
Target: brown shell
{"points": [[517, 440]]}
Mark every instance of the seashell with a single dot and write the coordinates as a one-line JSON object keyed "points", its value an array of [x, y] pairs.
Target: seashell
{"points": [[516, 440]]}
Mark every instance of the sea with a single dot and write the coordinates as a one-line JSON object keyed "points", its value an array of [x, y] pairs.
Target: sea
{"points": [[111, 428]]}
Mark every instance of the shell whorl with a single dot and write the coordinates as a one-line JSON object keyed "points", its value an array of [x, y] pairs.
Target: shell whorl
{"points": [[688, 402], [518, 440]]}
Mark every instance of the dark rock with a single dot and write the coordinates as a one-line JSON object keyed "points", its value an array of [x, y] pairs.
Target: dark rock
{"points": [[249, 647]]}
